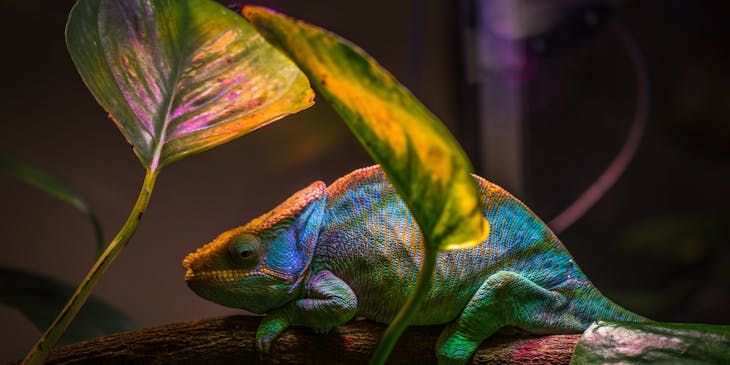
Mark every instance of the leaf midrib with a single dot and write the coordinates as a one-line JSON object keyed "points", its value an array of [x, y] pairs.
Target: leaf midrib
{"points": [[173, 83]]}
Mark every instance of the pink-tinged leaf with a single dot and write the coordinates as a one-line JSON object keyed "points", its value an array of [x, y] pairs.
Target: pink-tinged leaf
{"points": [[179, 77]]}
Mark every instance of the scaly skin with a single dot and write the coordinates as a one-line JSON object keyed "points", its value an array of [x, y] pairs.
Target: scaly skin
{"points": [[328, 254]]}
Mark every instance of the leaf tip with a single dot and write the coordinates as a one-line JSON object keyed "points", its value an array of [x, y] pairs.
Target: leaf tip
{"points": [[252, 11], [481, 236]]}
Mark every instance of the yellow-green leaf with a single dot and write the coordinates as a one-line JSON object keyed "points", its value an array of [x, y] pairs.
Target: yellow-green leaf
{"points": [[179, 77], [421, 158]]}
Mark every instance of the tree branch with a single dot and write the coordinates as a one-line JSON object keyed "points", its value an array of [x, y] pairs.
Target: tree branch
{"points": [[231, 340]]}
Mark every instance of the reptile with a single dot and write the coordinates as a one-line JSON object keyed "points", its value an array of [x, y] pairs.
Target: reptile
{"points": [[330, 253]]}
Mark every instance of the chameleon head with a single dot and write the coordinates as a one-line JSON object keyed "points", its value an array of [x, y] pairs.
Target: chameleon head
{"points": [[259, 266]]}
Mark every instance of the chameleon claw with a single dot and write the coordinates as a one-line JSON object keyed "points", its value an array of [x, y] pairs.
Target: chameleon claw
{"points": [[262, 346]]}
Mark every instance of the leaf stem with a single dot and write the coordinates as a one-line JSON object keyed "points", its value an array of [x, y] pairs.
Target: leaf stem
{"points": [[404, 316], [58, 327]]}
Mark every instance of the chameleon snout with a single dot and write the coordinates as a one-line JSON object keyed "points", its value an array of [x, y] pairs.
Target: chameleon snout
{"points": [[188, 271], [196, 264], [207, 258], [187, 265]]}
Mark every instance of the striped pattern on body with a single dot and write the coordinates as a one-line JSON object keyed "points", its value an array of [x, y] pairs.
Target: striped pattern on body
{"points": [[370, 240]]}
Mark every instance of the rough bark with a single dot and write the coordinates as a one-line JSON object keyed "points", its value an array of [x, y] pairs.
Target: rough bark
{"points": [[230, 340]]}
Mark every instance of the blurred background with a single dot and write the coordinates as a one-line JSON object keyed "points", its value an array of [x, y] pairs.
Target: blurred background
{"points": [[542, 95]]}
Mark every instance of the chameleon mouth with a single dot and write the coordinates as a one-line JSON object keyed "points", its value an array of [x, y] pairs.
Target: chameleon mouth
{"points": [[216, 275]]}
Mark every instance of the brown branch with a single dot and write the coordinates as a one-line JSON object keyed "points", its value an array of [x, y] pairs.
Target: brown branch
{"points": [[231, 340]]}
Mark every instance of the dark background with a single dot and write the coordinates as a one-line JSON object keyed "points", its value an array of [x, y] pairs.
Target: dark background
{"points": [[656, 243]]}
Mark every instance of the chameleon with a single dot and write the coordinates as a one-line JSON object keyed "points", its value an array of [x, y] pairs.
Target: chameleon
{"points": [[328, 254]]}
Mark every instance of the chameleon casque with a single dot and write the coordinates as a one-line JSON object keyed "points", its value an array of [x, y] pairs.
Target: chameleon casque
{"points": [[328, 254]]}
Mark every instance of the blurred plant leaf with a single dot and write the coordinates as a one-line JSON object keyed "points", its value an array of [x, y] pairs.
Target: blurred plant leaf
{"points": [[40, 299], [53, 186], [180, 77], [421, 158], [653, 343], [679, 238]]}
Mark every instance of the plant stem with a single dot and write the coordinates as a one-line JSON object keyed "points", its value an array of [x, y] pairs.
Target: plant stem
{"points": [[54, 332], [404, 316]]}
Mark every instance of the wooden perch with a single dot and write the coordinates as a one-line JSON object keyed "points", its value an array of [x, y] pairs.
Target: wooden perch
{"points": [[228, 340]]}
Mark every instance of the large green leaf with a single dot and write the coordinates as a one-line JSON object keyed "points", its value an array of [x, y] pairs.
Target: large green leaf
{"points": [[419, 155], [53, 186], [179, 77], [653, 343], [40, 299]]}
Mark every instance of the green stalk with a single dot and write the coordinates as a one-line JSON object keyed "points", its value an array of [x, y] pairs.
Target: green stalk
{"points": [[54, 332], [404, 316]]}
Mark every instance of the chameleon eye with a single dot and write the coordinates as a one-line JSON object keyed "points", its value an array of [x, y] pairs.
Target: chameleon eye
{"points": [[244, 249]]}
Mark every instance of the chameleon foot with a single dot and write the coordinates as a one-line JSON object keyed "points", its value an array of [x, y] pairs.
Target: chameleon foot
{"points": [[531, 307], [454, 348], [271, 326]]}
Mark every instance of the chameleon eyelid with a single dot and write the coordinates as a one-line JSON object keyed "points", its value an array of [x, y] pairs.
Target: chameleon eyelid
{"points": [[244, 248]]}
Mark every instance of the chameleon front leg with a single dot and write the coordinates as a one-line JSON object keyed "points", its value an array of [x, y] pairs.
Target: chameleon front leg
{"points": [[328, 302], [504, 299]]}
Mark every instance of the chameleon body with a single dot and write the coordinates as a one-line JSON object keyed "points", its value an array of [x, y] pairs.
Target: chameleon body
{"points": [[328, 254]]}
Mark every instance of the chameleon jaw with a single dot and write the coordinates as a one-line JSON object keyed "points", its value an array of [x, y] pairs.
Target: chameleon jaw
{"points": [[216, 275], [254, 291]]}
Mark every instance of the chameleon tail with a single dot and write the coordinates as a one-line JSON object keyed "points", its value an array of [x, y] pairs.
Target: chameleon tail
{"points": [[596, 307]]}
